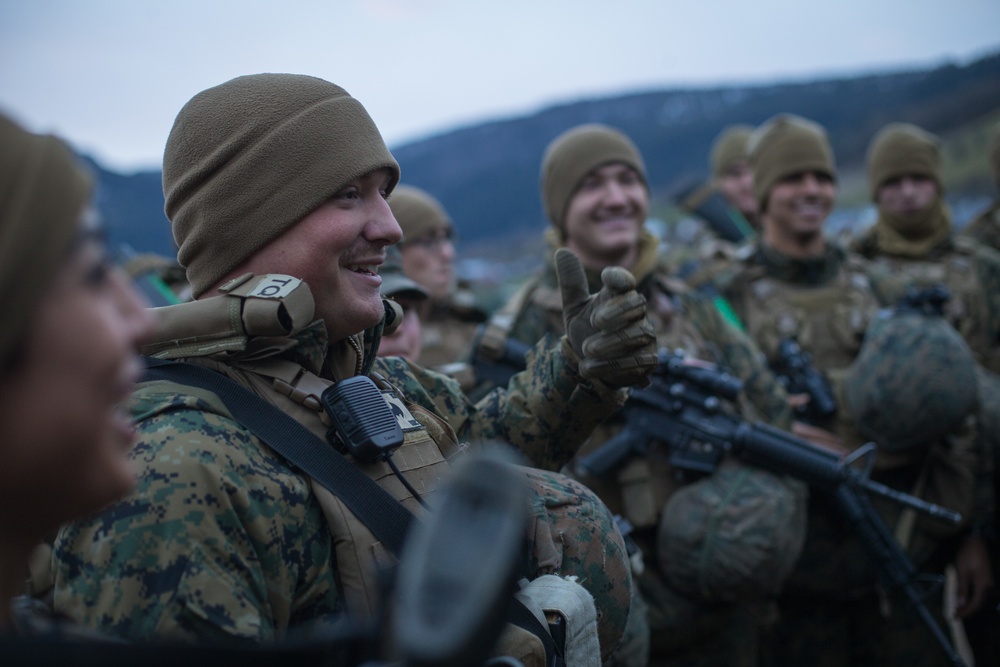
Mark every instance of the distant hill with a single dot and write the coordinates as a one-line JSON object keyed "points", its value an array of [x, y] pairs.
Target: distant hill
{"points": [[487, 175]]}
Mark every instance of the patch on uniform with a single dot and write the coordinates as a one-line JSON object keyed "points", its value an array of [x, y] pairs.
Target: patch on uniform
{"points": [[274, 286], [402, 414]]}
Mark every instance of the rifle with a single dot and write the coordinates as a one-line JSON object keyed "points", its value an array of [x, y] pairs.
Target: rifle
{"points": [[928, 300], [683, 409], [497, 358], [798, 375]]}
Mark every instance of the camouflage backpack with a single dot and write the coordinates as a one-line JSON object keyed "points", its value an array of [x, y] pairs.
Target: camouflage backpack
{"points": [[733, 535], [913, 383]]}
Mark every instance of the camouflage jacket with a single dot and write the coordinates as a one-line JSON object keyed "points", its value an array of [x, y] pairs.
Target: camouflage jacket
{"points": [[447, 329], [985, 228], [682, 320], [826, 303], [970, 271], [222, 538], [641, 489]]}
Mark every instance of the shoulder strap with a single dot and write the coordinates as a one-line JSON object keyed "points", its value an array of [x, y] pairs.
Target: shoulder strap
{"points": [[388, 520]]}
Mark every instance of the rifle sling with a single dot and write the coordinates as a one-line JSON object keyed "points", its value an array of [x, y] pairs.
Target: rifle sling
{"points": [[382, 514]]}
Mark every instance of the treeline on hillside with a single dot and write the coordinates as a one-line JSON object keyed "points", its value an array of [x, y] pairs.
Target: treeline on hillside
{"points": [[487, 175]]}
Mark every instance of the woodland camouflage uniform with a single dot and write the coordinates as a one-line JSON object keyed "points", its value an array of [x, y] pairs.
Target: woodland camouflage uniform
{"points": [[970, 272], [830, 610], [683, 630], [827, 303], [448, 321], [449, 329], [985, 228], [834, 611], [926, 251], [222, 538]]}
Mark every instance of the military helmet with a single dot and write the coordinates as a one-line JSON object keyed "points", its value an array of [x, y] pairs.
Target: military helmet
{"points": [[913, 382], [734, 535]]}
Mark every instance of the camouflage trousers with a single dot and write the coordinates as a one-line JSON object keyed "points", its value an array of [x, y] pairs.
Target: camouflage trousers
{"points": [[572, 533]]}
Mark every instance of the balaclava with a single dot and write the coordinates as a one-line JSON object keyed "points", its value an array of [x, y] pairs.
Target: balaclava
{"points": [[43, 192], [784, 146], [250, 158], [574, 154]]}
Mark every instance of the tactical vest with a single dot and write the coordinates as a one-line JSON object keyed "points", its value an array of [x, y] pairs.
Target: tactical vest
{"points": [[252, 323], [642, 485], [829, 320], [967, 310]]}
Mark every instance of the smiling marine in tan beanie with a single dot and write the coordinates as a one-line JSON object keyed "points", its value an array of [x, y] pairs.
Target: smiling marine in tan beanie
{"points": [[784, 146], [575, 154], [273, 148]]}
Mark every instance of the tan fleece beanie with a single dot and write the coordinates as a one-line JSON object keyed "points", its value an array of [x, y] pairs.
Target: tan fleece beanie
{"points": [[574, 154], [249, 158], [417, 212], [784, 146], [43, 192], [899, 149], [730, 148]]}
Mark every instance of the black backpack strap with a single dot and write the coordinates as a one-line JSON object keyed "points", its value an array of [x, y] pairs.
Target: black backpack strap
{"points": [[382, 514]]}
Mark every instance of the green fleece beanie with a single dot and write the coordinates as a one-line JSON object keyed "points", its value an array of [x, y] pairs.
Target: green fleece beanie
{"points": [[899, 149], [44, 190], [730, 148], [574, 154], [784, 146], [249, 158], [417, 212]]}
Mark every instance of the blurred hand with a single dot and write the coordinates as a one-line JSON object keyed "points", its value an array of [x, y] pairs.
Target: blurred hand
{"points": [[972, 562], [609, 330]]}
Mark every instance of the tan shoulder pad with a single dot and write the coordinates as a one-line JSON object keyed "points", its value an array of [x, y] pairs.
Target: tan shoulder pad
{"points": [[267, 305]]}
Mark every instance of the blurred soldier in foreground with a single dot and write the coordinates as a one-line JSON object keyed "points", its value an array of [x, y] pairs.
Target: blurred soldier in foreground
{"points": [[594, 191], [986, 226], [913, 237], [225, 537], [68, 343]]}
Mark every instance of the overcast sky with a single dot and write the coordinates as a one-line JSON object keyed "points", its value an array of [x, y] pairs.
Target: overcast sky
{"points": [[110, 75]]}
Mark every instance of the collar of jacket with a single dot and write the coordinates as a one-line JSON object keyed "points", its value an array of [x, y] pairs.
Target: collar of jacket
{"points": [[644, 268], [807, 271]]}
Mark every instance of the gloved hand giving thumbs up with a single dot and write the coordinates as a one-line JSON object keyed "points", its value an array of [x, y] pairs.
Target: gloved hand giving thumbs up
{"points": [[609, 331]]}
